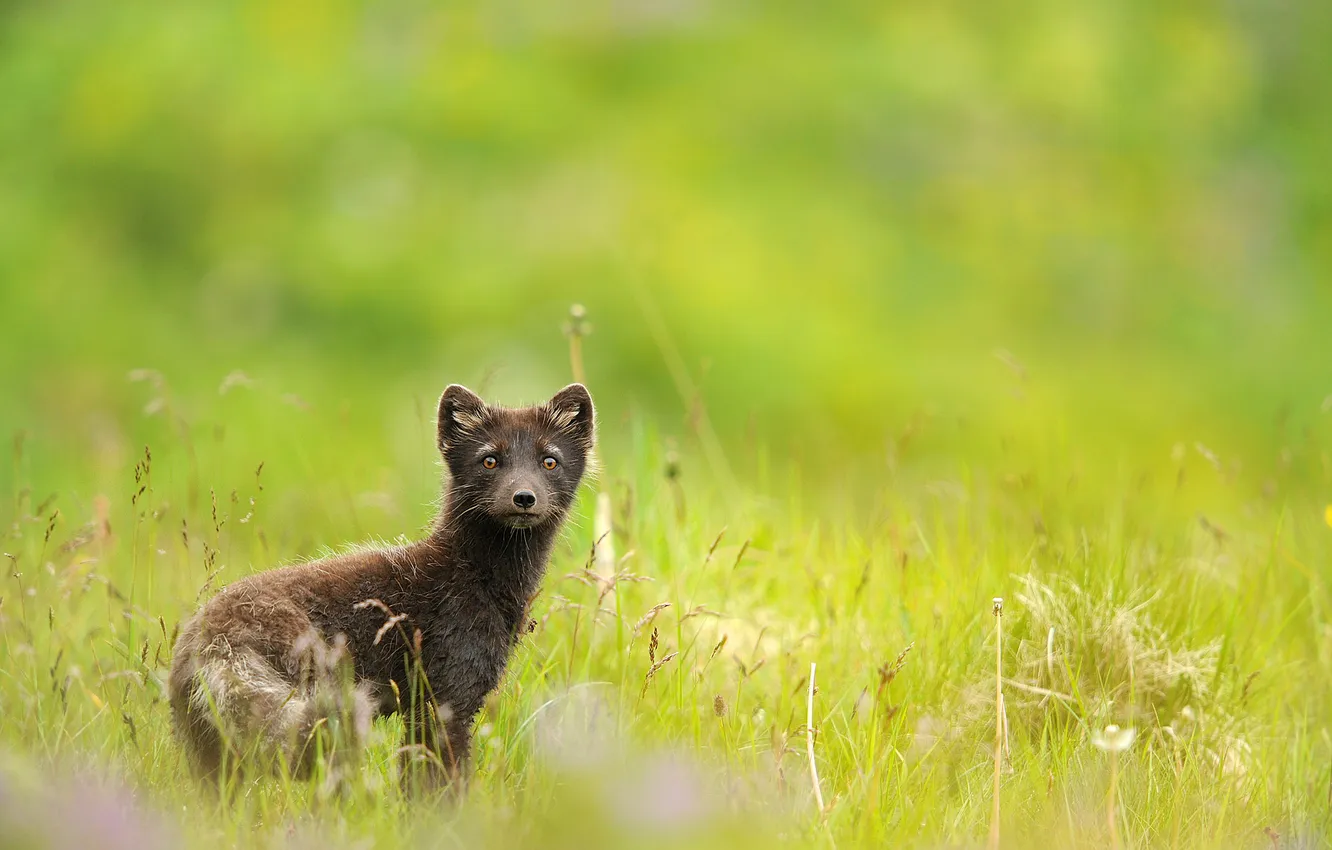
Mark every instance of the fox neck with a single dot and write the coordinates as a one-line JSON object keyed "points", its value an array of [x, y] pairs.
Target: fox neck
{"points": [[508, 562]]}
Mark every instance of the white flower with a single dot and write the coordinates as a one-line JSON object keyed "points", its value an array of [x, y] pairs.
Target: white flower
{"points": [[1114, 739]]}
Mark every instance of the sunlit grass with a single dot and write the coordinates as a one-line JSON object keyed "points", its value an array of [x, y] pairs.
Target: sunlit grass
{"points": [[668, 704]]}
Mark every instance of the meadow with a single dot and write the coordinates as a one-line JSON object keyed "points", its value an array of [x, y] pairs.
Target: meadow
{"points": [[662, 697], [891, 311]]}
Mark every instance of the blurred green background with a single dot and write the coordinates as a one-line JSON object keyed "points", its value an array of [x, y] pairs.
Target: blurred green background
{"points": [[807, 227]]}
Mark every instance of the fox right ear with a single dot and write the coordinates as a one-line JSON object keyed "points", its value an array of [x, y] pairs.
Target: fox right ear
{"points": [[571, 411], [460, 411]]}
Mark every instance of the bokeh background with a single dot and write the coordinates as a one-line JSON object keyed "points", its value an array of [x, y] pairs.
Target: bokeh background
{"points": [[1105, 226]]}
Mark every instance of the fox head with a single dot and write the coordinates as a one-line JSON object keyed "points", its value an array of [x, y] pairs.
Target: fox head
{"points": [[517, 467]]}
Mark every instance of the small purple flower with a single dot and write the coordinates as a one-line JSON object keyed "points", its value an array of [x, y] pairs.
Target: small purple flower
{"points": [[665, 792], [76, 814]]}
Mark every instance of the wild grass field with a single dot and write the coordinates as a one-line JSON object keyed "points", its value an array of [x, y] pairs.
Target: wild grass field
{"points": [[663, 695], [892, 310]]}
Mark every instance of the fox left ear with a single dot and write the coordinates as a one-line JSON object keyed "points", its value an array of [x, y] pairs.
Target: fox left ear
{"points": [[571, 411], [460, 411]]}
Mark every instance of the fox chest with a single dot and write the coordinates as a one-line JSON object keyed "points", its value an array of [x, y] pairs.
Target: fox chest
{"points": [[465, 661]]}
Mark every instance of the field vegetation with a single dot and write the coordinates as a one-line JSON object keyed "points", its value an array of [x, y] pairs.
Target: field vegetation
{"points": [[891, 311]]}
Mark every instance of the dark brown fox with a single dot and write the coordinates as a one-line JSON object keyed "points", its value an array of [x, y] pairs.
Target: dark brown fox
{"points": [[424, 629]]}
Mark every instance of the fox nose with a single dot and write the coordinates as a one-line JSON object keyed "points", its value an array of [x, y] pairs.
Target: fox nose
{"points": [[524, 499]]}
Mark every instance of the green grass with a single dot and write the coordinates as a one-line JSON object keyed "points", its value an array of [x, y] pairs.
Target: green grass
{"points": [[1185, 595], [1022, 300]]}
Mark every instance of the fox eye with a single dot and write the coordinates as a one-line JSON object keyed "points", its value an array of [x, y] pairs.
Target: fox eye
{"points": [[550, 463], [490, 462]]}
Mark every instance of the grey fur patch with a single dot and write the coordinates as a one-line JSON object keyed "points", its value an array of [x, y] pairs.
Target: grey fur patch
{"points": [[563, 417], [468, 420], [260, 710]]}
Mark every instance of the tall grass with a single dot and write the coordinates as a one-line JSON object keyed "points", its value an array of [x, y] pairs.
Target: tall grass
{"points": [[670, 702]]}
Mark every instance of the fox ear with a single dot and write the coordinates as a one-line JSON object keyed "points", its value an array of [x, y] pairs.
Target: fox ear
{"points": [[460, 411], [571, 411]]}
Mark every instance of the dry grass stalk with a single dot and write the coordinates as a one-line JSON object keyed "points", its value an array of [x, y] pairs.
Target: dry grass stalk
{"points": [[888, 671], [602, 531], [575, 329], [809, 740], [1090, 656], [712, 550], [655, 664], [700, 611], [998, 715], [716, 649], [744, 547], [647, 618]]}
